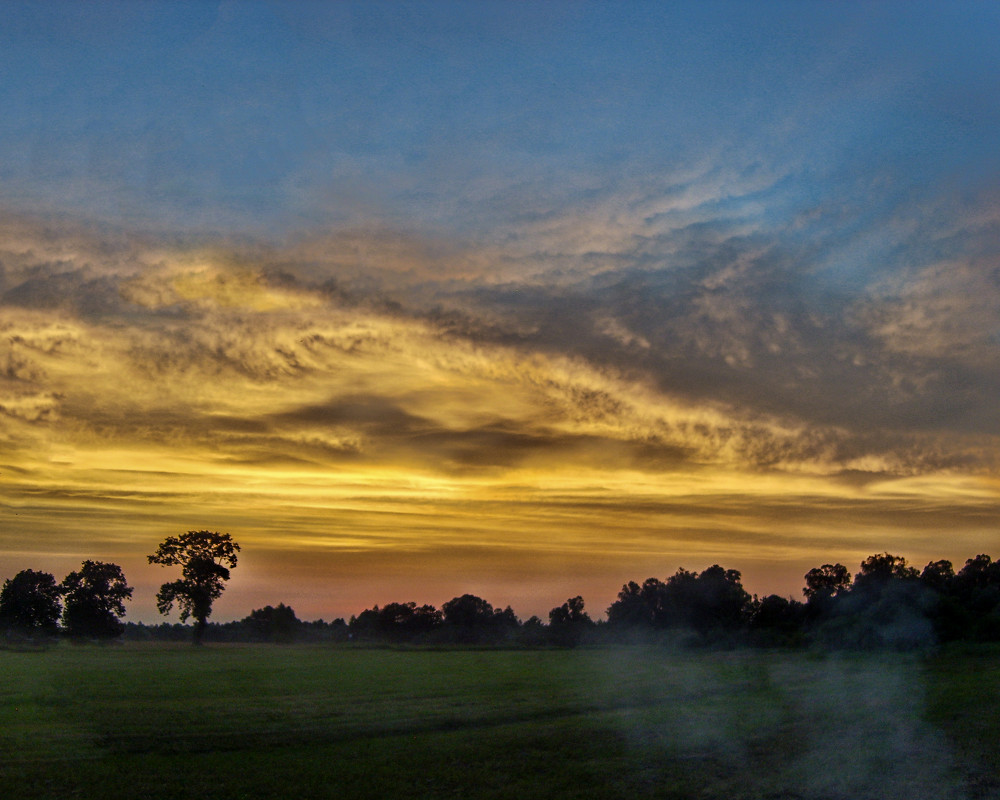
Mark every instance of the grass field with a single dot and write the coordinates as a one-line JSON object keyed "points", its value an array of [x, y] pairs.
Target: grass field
{"points": [[166, 721]]}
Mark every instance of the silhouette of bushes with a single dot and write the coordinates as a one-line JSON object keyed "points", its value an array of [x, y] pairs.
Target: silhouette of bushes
{"points": [[888, 604]]}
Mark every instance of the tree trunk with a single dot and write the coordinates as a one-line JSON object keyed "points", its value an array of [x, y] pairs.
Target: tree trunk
{"points": [[199, 630]]}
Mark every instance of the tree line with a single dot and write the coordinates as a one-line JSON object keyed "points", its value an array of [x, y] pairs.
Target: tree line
{"points": [[91, 602], [886, 604]]}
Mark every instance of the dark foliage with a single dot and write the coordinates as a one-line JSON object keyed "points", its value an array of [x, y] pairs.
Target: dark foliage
{"points": [[938, 575], [247, 630], [95, 598], [975, 589], [569, 623], [205, 558], [889, 604], [882, 569], [705, 603], [30, 603], [776, 620], [533, 632], [892, 604], [827, 581], [471, 620], [396, 622], [272, 624]]}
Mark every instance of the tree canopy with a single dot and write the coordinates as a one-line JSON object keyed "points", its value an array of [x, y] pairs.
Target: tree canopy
{"points": [[701, 602], [95, 598], [889, 604], [30, 602], [205, 558], [273, 624], [826, 581]]}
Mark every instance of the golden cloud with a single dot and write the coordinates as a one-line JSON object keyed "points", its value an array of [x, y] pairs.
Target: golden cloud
{"points": [[320, 410]]}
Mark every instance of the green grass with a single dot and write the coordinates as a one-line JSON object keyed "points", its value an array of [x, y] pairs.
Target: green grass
{"points": [[165, 721]]}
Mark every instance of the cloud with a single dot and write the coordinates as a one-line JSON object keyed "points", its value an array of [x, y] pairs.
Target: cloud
{"points": [[346, 347], [946, 311], [750, 293], [373, 393]]}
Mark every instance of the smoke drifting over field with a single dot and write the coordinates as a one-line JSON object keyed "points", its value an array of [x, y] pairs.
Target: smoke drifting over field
{"points": [[831, 728]]}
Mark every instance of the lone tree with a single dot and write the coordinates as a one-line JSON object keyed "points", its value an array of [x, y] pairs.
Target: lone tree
{"points": [[95, 600], [30, 603], [205, 558]]}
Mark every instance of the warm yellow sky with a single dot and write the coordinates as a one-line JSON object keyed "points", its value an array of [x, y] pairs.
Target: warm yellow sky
{"points": [[362, 451], [525, 300]]}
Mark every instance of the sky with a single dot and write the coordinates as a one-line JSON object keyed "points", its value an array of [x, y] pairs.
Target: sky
{"points": [[525, 300]]}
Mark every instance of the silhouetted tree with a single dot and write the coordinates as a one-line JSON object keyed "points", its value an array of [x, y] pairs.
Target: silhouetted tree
{"points": [[636, 605], [533, 632], [421, 620], [633, 608], [938, 575], [715, 600], [980, 572], [333, 631], [720, 600], [827, 581], [95, 600], [569, 622], [570, 613], [673, 600], [776, 620], [472, 619], [205, 558], [506, 620], [272, 624], [656, 604], [424, 620], [977, 588], [30, 602], [407, 621], [394, 618], [826, 586], [888, 606], [467, 611], [364, 625], [950, 618], [396, 622], [877, 570]]}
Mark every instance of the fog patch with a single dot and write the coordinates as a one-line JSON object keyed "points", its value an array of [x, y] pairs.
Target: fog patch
{"points": [[784, 725], [864, 723]]}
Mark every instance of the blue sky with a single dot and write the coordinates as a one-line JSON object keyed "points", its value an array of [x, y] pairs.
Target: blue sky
{"points": [[211, 116], [530, 299]]}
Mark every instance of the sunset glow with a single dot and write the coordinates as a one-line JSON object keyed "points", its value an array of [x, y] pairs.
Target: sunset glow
{"points": [[417, 300]]}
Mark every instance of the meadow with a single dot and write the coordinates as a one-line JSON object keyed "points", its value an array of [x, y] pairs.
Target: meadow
{"points": [[265, 721]]}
